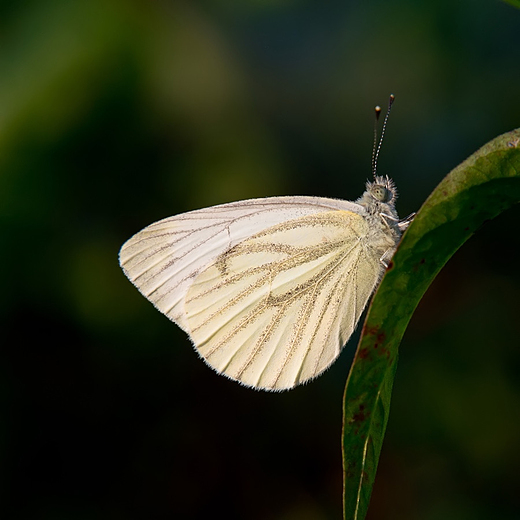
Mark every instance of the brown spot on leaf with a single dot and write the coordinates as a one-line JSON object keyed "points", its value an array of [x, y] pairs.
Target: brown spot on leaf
{"points": [[358, 417], [372, 331], [380, 339], [363, 353]]}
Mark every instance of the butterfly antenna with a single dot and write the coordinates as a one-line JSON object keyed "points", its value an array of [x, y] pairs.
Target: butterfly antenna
{"points": [[377, 110], [377, 149]]}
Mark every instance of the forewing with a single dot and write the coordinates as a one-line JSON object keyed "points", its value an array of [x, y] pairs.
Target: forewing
{"points": [[275, 310], [163, 259]]}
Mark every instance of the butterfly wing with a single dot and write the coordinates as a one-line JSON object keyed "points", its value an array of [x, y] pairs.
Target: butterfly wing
{"points": [[163, 259], [276, 309]]}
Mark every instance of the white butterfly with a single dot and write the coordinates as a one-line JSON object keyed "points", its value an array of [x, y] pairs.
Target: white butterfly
{"points": [[269, 290]]}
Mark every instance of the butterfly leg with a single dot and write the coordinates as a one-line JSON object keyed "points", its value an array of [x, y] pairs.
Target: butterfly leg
{"points": [[386, 254], [403, 224]]}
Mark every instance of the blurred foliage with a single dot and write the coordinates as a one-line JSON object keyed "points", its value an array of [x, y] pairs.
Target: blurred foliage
{"points": [[115, 113], [515, 3]]}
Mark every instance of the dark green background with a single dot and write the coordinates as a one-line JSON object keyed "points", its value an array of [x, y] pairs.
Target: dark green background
{"points": [[114, 114]]}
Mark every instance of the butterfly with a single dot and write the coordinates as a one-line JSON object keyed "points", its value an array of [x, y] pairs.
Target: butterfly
{"points": [[269, 290]]}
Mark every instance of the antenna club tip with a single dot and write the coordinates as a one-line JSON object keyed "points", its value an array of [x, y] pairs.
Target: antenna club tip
{"points": [[377, 110], [392, 99]]}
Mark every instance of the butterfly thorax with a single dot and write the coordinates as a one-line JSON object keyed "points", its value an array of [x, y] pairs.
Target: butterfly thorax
{"points": [[378, 200]]}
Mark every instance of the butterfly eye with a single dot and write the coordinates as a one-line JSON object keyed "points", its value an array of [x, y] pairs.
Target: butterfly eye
{"points": [[381, 193]]}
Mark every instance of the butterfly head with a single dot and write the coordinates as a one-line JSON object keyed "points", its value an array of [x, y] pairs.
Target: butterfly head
{"points": [[381, 191]]}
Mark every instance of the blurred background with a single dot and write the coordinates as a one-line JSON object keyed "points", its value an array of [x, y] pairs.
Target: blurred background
{"points": [[116, 113]]}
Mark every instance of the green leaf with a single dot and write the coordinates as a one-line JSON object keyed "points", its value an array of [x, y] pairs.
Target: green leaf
{"points": [[483, 186]]}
